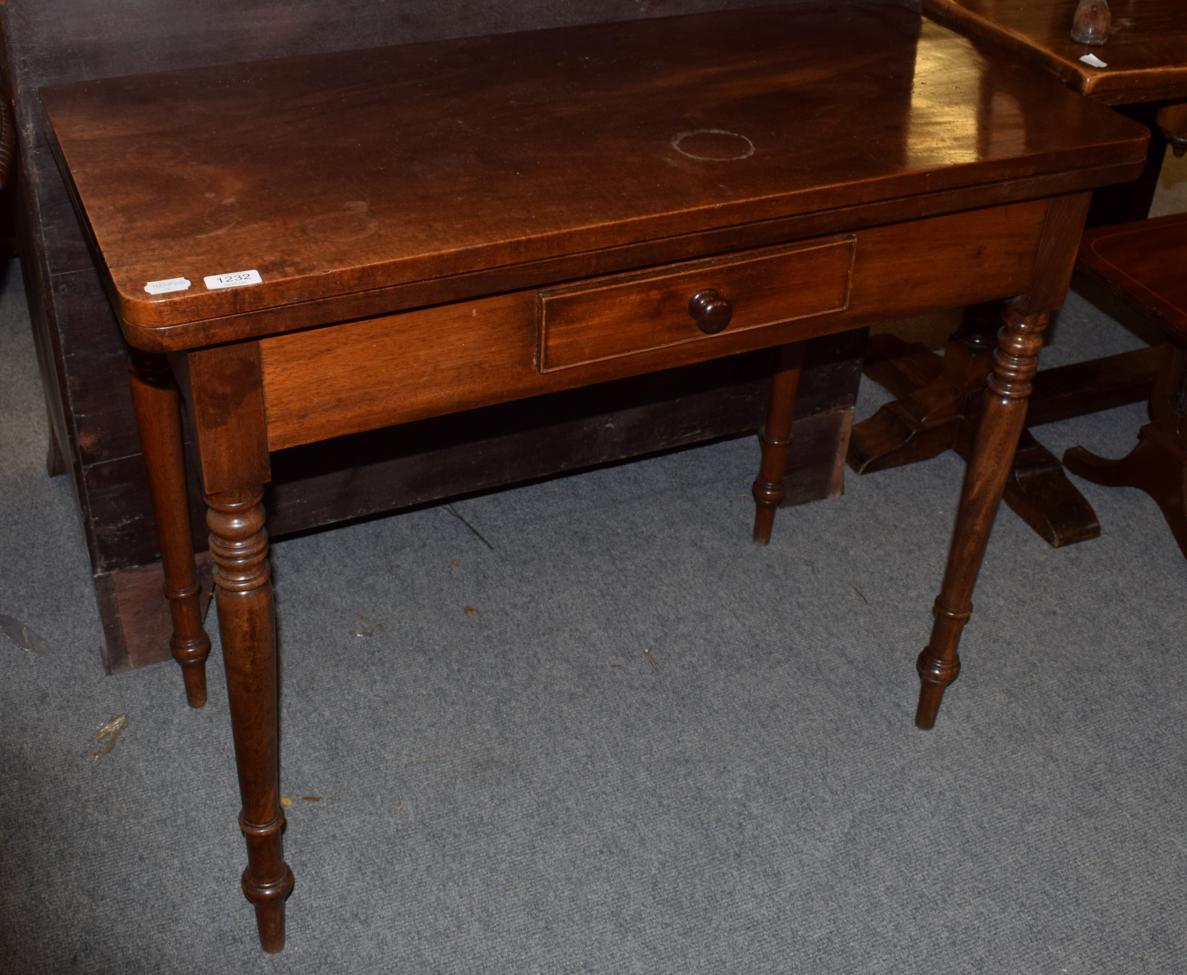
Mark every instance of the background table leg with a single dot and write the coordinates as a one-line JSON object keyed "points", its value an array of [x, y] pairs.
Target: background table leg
{"points": [[775, 438], [158, 416], [239, 545]]}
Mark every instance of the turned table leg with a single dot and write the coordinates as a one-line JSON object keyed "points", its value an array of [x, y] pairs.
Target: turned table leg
{"points": [[157, 405], [239, 546], [775, 438], [1003, 415], [224, 386]]}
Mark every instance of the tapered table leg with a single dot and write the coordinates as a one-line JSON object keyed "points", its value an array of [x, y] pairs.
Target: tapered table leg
{"points": [[1002, 418], [775, 438], [157, 405], [239, 546]]}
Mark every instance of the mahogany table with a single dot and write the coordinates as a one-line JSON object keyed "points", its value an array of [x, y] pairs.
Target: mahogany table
{"points": [[937, 399], [317, 246]]}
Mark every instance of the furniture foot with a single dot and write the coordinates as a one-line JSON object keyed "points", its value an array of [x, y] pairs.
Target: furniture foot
{"points": [[1002, 418], [242, 576], [1039, 492], [1157, 466], [936, 672], [157, 405], [894, 437], [775, 438], [926, 419]]}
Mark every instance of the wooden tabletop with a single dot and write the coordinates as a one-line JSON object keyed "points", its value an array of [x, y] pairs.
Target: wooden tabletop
{"points": [[331, 175], [1146, 54]]}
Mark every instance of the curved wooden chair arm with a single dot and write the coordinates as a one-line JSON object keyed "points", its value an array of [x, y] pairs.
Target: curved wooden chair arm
{"points": [[1173, 122]]}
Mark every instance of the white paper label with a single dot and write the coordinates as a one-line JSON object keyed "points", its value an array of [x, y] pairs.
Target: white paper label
{"points": [[167, 285], [1093, 61], [232, 279]]}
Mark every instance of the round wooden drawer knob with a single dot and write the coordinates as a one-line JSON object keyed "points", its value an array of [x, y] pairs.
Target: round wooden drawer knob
{"points": [[711, 311]]}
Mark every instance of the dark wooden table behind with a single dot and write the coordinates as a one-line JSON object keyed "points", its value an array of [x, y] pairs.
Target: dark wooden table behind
{"points": [[937, 398], [82, 357]]}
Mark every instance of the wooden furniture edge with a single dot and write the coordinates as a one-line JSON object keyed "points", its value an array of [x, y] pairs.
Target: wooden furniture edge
{"points": [[1108, 87]]}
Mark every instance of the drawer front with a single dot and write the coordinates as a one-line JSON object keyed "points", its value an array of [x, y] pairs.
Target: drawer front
{"points": [[701, 301]]}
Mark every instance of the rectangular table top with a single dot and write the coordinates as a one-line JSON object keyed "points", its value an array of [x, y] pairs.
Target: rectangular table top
{"points": [[335, 174], [1145, 55]]}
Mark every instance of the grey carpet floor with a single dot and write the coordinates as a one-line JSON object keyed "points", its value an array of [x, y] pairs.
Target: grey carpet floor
{"points": [[506, 784]]}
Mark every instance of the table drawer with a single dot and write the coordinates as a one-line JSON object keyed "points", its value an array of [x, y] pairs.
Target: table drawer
{"points": [[693, 302]]}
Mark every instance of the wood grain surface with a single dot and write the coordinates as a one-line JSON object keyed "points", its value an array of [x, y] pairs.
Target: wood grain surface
{"points": [[1144, 262], [453, 157], [1145, 55]]}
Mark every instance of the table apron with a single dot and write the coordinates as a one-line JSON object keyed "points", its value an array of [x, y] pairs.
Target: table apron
{"points": [[362, 375]]}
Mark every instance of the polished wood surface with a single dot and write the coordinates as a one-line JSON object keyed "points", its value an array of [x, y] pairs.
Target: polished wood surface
{"points": [[585, 323], [1145, 54], [937, 405], [584, 168], [186, 185], [1144, 263]]}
